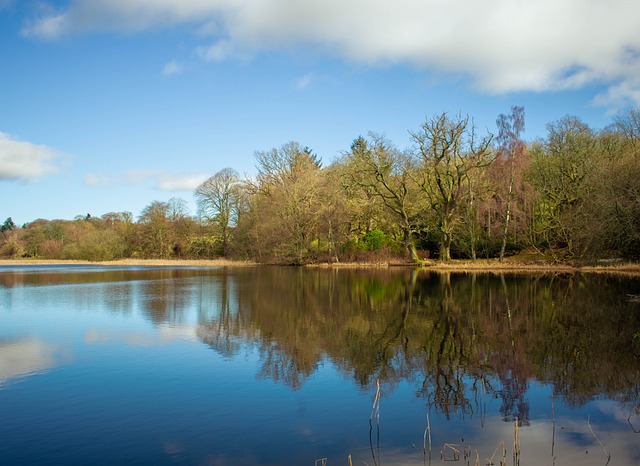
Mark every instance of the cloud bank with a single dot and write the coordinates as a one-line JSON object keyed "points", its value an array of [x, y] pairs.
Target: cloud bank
{"points": [[24, 161], [502, 45]]}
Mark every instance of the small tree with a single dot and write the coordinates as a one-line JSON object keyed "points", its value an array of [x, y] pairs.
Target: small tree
{"points": [[154, 229], [510, 151], [8, 225], [218, 202]]}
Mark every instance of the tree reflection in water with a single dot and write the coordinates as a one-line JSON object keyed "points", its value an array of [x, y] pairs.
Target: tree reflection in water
{"points": [[487, 346], [460, 338]]}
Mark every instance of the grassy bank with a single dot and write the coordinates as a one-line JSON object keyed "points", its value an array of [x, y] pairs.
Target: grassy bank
{"points": [[493, 265]]}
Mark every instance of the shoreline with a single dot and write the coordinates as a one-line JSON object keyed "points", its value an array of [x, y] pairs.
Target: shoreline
{"points": [[134, 262], [462, 266]]}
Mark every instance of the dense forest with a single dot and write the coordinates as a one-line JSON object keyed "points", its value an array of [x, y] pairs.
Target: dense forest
{"points": [[457, 193]]}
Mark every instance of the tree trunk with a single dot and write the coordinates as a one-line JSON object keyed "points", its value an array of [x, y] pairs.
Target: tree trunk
{"points": [[411, 247], [507, 216], [445, 242]]}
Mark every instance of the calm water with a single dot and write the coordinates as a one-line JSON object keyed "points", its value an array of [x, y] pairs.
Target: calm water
{"points": [[280, 366]]}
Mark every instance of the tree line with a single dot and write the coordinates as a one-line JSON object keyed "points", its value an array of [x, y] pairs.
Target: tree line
{"points": [[456, 193]]}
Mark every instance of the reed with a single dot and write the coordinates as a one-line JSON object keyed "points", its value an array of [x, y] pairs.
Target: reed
{"points": [[607, 454], [503, 459], [516, 444], [451, 447], [553, 430], [375, 409], [427, 435]]}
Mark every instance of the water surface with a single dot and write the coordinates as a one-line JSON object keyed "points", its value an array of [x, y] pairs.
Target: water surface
{"points": [[269, 365]]}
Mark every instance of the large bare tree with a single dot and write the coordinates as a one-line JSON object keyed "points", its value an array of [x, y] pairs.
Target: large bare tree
{"points": [[288, 201], [448, 153]]}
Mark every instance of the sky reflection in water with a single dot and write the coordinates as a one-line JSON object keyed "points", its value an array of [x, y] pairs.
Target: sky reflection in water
{"points": [[279, 366]]}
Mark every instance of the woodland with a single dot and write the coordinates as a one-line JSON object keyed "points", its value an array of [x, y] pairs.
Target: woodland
{"points": [[457, 192]]}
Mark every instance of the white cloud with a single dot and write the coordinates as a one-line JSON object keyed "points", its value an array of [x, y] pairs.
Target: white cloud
{"points": [[139, 176], [165, 181], [171, 68], [47, 28], [310, 79], [23, 358], [21, 160], [303, 82], [502, 45], [96, 180], [166, 333], [223, 50], [170, 182], [160, 180]]}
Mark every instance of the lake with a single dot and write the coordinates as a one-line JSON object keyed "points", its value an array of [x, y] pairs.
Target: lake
{"points": [[281, 366]]}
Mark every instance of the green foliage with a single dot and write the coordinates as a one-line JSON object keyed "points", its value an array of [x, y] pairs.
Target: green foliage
{"points": [[96, 245], [375, 240], [11, 245], [205, 246], [8, 225]]}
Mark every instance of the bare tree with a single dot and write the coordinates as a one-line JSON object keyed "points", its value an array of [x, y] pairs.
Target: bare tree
{"points": [[217, 199], [628, 124], [561, 166], [288, 202], [510, 148], [379, 167], [448, 154], [154, 237]]}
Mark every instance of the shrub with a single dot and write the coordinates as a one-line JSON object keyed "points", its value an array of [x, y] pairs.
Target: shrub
{"points": [[375, 240]]}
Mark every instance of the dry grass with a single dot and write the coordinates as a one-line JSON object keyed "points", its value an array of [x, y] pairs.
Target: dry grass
{"points": [[135, 262], [495, 266], [513, 264]]}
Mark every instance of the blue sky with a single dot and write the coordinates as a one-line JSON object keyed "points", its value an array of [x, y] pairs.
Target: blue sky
{"points": [[108, 105]]}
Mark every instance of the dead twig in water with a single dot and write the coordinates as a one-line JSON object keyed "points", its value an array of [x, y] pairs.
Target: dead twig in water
{"points": [[375, 409], [376, 405], [452, 447], [636, 411], [427, 433], [553, 429], [596, 437], [516, 444], [503, 460]]}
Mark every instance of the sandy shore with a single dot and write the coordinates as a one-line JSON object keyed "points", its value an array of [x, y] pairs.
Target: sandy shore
{"points": [[484, 265], [133, 262]]}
